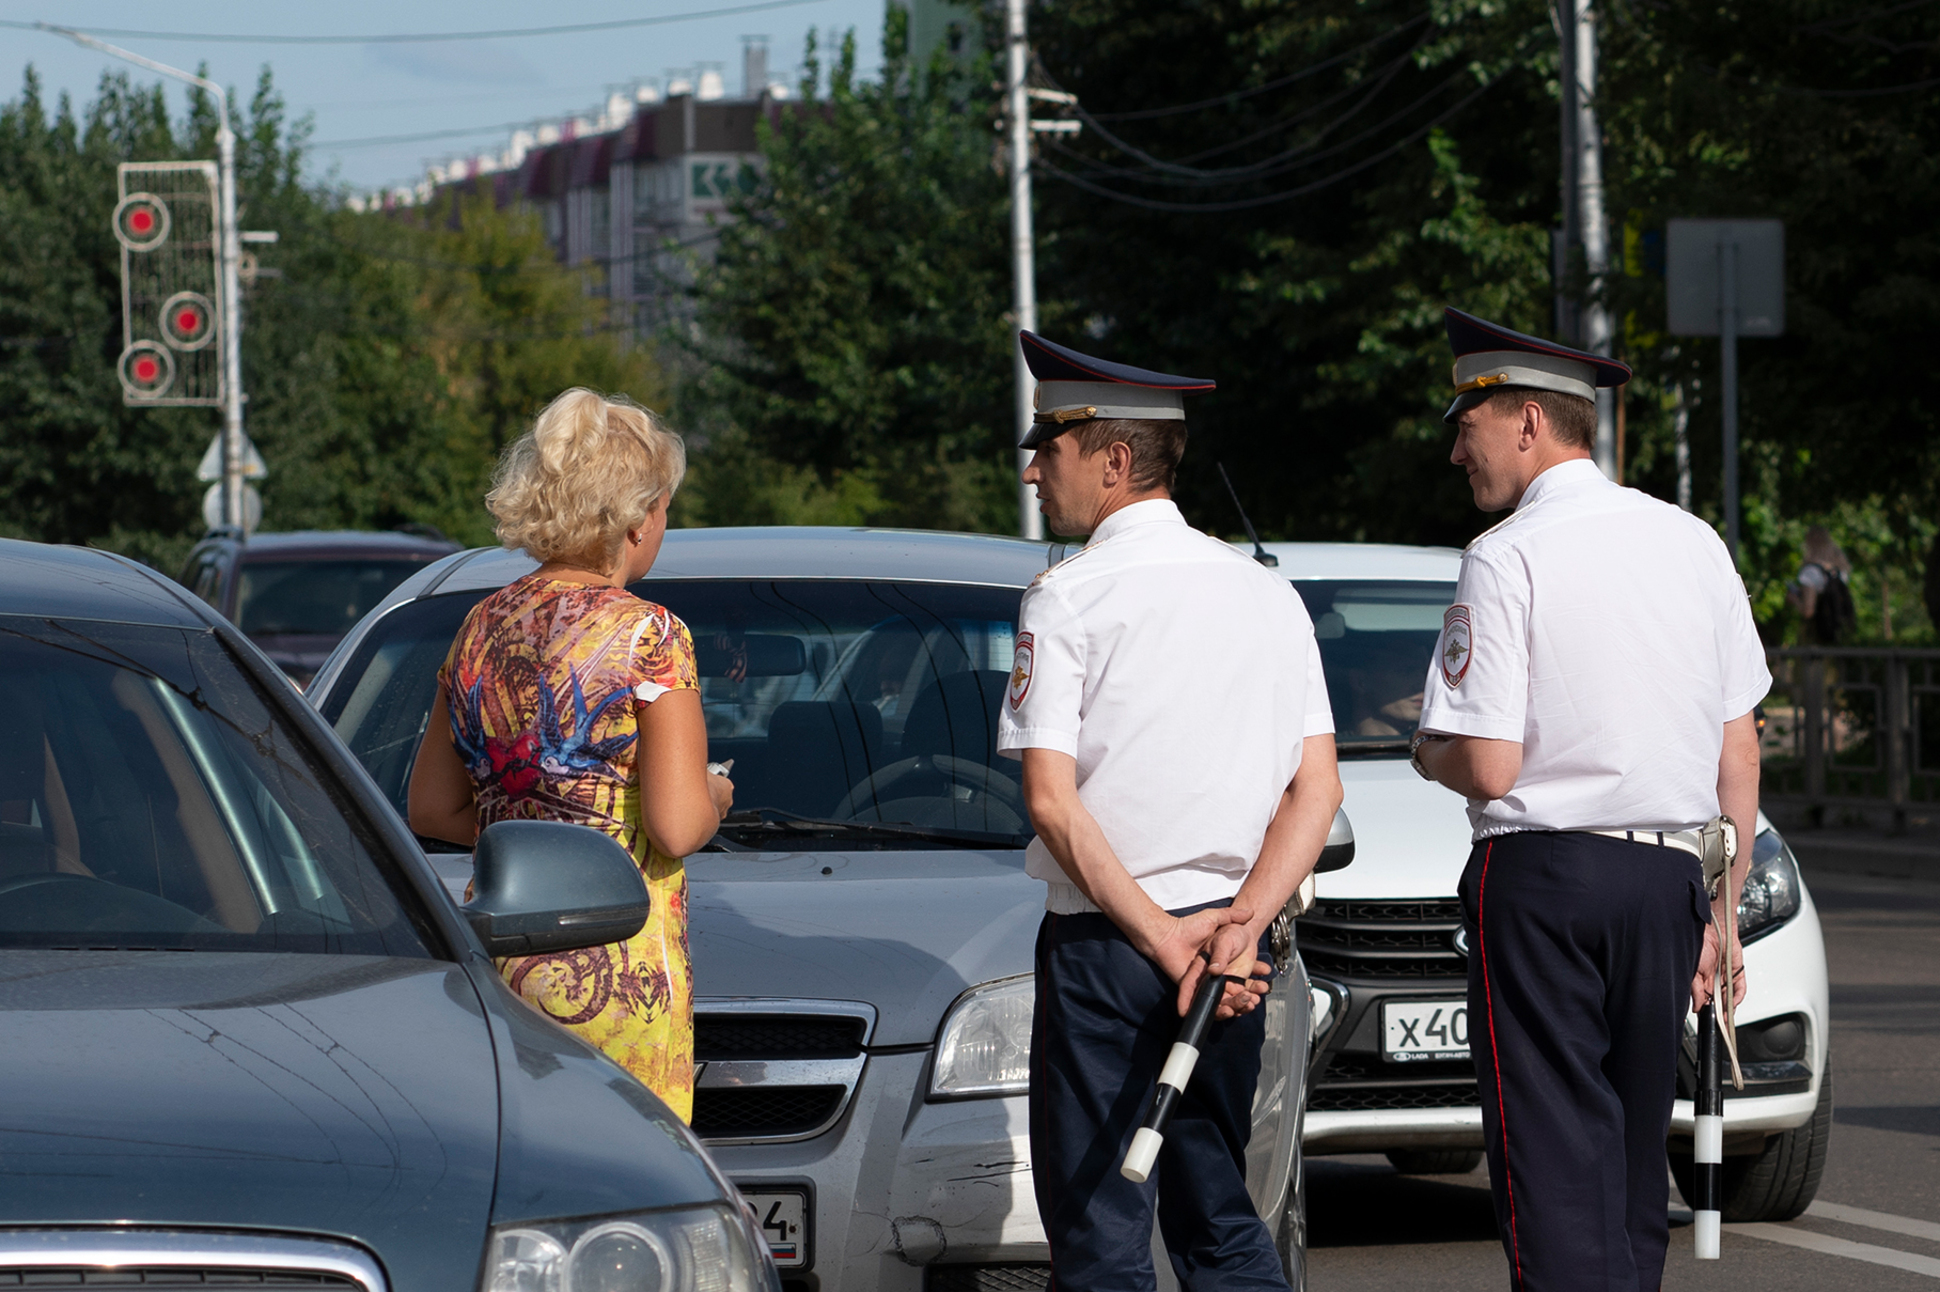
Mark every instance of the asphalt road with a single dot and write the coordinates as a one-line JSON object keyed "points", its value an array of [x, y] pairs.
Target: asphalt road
{"points": [[1876, 1222]]}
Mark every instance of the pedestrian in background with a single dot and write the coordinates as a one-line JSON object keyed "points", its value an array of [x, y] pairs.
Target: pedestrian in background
{"points": [[1822, 592], [567, 698], [1168, 705], [1592, 698]]}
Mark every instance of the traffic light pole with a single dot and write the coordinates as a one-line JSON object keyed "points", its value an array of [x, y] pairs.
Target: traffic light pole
{"points": [[1030, 522], [232, 392]]}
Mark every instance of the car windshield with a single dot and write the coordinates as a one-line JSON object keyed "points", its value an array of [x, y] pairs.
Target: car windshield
{"points": [[837, 700], [150, 798], [1376, 641], [324, 598]]}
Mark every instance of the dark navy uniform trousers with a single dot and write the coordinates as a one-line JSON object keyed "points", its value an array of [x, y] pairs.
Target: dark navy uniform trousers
{"points": [[1106, 1019], [1582, 950]]}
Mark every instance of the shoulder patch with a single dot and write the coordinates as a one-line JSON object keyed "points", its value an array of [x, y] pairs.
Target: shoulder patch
{"points": [[1020, 669], [1457, 644]]}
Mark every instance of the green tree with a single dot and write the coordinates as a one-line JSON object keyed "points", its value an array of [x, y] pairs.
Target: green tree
{"points": [[855, 360]]}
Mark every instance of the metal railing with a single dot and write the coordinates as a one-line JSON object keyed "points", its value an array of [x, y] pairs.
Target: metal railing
{"points": [[1853, 727]]}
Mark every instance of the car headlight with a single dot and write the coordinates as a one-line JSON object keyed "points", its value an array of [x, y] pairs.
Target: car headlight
{"points": [[1772, 890], [704, 1249], [984, 1048]]}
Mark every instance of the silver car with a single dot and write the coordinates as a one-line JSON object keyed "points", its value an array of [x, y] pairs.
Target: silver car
{"points": [[862, 926]]}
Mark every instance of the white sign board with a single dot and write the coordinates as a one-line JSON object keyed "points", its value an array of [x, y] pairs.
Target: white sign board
{"points": [[1693, 268]]}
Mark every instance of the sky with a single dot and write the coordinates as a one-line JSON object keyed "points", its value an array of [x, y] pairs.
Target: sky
{"points": [[364, 91]]}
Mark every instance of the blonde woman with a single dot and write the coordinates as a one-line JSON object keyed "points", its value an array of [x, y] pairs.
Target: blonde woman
{"points": [[567, 698]]}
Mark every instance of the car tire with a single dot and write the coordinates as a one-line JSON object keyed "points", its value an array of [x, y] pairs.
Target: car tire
{"points": [[1434, 1161], [1291, 1237], [1779, 1181]]}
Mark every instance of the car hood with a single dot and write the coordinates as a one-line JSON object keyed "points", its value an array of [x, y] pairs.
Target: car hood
{"points": [[1411, 837], [348, 1095], [904, 931]]}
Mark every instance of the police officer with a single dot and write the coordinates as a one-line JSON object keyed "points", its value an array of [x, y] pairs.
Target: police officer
{"points": [[1592, 697], [1178, 760]]}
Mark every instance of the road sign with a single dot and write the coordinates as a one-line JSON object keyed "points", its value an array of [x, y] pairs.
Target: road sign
{"points": [[252, 507], [1726, 278], [1693, 262], [210, 468]]}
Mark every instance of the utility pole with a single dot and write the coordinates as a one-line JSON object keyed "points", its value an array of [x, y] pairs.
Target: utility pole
{"points": [[231, 304], [1030, 523], [1584, 221]]}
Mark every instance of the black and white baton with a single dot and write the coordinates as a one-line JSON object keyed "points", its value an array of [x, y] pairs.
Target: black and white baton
{"points": [[1144, 1151], [1708, 1156]]}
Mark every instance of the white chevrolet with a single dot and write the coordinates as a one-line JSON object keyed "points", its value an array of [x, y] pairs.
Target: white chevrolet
{"points": [[1383, 941]]}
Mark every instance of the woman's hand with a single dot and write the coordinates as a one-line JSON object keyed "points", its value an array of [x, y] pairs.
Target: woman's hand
{"points": [[680, 806], [442, 802]]}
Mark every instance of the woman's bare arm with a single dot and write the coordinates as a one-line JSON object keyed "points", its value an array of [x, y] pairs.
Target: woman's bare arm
{"points": [[442, 802], [681, 803]]}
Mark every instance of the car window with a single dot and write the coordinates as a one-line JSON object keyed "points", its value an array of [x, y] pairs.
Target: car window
{"points": [[208, 580], [1376, 641], [150, 798], [318, 597], [871, 702]]}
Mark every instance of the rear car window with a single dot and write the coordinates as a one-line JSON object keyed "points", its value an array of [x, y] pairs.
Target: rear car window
{"points": [[836, 699], [151, 798], [314, 597]]}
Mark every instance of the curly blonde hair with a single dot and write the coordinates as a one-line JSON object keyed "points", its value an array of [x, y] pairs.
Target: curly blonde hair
{"points": [[591, 468]]}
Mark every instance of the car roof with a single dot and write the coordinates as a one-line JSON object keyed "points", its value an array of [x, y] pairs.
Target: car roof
{"points": [[304, 544], [792, 552], [44, 580], [1363, 561]]}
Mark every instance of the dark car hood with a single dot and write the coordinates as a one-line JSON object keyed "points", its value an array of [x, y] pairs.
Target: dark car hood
{"points": [[347, 1095], [904, 931]]}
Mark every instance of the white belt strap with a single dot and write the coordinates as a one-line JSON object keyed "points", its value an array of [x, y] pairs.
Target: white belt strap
{"points": [[1690, 841]]}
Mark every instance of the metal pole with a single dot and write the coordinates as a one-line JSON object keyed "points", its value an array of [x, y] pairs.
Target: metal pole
{"points": [[1030, 523], [1681, 421], [1728, 354], [1564, 241], [1599, 331], [231, 305]]}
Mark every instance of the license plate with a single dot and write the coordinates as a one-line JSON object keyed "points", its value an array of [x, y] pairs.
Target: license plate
{"points": [[783, 1216], [1413, 1030]]}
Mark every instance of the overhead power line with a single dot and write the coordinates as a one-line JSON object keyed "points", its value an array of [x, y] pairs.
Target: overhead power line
{"points": [[373, 141], [420, 37]]}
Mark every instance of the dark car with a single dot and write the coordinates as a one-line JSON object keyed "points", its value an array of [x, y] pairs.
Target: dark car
{"points": [[296, 594], [245, 1035]]}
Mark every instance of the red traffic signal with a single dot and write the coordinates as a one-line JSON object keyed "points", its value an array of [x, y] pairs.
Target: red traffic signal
{"points": [[147, 370], [141, 222], [188, 320]]}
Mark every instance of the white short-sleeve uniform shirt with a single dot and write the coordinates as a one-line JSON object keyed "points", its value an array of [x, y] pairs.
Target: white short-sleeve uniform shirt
{"points": [[1608, 632], [1182, 676]]}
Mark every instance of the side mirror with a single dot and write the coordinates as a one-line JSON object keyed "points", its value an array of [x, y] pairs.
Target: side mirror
{"points": [[1338, 852], [548, 886]]}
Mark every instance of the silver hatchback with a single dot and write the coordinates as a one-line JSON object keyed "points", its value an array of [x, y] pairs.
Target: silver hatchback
{"points": [[862, 927]]}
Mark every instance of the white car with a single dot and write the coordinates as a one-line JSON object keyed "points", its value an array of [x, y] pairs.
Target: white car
{"points": [[1384, 948]]}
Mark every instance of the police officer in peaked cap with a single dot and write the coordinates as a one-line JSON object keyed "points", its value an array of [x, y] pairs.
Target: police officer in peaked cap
{"points": [[1592, 698], [1178, 758]]}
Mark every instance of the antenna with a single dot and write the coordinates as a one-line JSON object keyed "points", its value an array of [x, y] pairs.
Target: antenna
{"points": [[1260, 554]]}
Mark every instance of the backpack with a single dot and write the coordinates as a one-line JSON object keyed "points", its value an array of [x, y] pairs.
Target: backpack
{"points": [[1833, 615]]}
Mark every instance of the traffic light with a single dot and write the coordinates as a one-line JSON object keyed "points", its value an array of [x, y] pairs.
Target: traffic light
{"points": [[167, 224]]}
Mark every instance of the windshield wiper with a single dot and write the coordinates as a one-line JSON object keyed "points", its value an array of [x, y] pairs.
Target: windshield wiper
{"points": [[752, 820]]}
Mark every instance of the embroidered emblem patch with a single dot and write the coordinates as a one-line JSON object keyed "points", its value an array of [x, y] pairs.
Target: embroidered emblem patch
{"points": [[1020, 669], [1458, 644]]}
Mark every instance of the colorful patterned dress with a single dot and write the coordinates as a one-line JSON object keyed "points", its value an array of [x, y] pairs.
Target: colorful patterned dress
{"points": [[541, 683]]}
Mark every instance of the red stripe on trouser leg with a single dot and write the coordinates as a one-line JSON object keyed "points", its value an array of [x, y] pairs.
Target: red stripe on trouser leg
{"points": [[1495, 1061]]}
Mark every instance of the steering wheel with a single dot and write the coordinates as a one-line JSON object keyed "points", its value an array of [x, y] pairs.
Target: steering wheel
{"points": [[19, 882], [958, 770]]}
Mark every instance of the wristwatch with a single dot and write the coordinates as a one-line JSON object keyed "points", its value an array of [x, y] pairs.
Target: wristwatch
{"points": [[1414, 751]]}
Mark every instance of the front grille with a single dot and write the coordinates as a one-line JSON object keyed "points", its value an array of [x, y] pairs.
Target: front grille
{"points": [[1362, 1082], [174, 1276], [739, 1112], [720, 1037], [987, 1278], [1407, 939]]}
